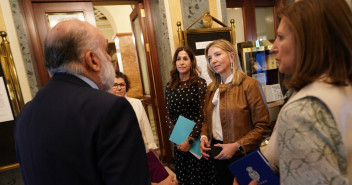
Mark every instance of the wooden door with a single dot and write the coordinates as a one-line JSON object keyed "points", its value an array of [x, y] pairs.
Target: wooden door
{"points": [[40, 18], [249, 18], [150, 77], [48, 14], [36, 16]]}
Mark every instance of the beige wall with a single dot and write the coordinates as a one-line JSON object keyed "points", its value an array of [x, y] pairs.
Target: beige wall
{"points": [[174, 14], [119, 19], [118, 16], [2, 21], [236, 14], [7, 21]]}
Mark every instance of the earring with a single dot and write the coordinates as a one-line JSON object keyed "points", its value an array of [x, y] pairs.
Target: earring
{"points": [[232, 66]]}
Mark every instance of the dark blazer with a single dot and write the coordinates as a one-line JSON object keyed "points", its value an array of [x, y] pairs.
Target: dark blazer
{"points": [[72, 134]]}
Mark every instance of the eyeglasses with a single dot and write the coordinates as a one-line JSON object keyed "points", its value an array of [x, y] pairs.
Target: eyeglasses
{"points": [[122, 85]]}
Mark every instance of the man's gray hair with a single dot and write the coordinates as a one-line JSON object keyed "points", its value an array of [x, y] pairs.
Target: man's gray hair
{"points": [[64, 50]]}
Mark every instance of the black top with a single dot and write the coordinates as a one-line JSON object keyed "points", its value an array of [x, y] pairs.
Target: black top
{"points": [[73, 134], [188, 102]]}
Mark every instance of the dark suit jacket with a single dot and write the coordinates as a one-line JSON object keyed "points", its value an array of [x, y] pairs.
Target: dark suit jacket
{"points": [[73, 134]]}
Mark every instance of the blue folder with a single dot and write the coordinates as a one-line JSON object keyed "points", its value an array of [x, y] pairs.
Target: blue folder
{"points": [[253, 166], [182, 129], [195, 148]]}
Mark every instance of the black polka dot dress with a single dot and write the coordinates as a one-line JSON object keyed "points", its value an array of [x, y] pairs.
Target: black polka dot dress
{"points": [[188, 101]]}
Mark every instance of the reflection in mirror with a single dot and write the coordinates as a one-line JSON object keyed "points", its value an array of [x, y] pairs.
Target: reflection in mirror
{"points": [[54, 18], [264, 18], [139, 42]]}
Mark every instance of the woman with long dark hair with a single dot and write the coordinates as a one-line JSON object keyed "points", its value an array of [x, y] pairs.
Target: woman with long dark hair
{"points": [[185, 95]]}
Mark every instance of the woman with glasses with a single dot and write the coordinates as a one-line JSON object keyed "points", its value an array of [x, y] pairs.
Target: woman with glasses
{"points": [[120, 88]]}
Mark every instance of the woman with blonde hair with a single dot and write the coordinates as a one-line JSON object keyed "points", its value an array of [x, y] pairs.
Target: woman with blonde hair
{"points": [[237, 117]]}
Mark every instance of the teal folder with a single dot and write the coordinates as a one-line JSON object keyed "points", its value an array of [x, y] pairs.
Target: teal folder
{"points": [[195, 148], [182, 129]]}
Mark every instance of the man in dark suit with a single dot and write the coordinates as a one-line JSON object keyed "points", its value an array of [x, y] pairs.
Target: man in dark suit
{"points": [[73, 132]]}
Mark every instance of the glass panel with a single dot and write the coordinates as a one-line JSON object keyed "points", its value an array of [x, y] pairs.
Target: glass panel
{"points": [[152, 123], [264, 19], [142, 57], [260, 64], [236, 13], [54, 18], [119, 61]]}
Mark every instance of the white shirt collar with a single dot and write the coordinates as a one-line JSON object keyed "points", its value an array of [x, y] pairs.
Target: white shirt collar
{"points": [[87, 80], [228, 80]]}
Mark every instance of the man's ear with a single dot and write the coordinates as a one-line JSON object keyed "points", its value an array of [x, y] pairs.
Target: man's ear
{"points": [[92, 61]]}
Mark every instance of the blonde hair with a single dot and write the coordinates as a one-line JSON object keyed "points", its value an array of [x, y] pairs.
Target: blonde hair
{"points": [[237, 71]]}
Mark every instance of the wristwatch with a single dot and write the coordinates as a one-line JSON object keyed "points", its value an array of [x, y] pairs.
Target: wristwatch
{"points": [[190, 141], [240, 148]]}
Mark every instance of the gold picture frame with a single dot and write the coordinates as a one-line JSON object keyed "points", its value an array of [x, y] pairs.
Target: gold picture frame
{"points": [[13, 93], [198, 39]]}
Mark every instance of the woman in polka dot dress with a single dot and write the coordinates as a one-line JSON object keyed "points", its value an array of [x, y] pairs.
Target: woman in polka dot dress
{"points": [[185, 95]]}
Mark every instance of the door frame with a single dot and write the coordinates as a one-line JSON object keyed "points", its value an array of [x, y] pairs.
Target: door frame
{"points": [[160, 101], [43, 76], [156, 98], [31, 29]]}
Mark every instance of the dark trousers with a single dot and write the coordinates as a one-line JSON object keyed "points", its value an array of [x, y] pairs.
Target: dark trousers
{"points": [[223, 174]]}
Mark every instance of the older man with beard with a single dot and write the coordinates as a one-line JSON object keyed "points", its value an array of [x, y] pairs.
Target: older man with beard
{"points": [[73, 132]]}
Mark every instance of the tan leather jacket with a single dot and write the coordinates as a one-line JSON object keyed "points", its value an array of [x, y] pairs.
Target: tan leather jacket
{"points": [[244, 114]]}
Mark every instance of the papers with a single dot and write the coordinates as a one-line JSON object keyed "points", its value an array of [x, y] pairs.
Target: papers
{"points": [[272, 92], [202, 64], [253, 166], [5, 108], [182, 129], [202, 45]]}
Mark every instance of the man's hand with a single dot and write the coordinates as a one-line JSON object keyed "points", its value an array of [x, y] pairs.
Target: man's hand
{"points": [[157, 153], [204, 147], [170, 180]]}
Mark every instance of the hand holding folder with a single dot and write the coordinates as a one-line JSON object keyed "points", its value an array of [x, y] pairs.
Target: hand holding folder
{"points": [[182, 130], [157, 171], [253, 166]]}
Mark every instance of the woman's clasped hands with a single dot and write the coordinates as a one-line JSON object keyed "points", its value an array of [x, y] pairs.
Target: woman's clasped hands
{"points": [[228, 150]]}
